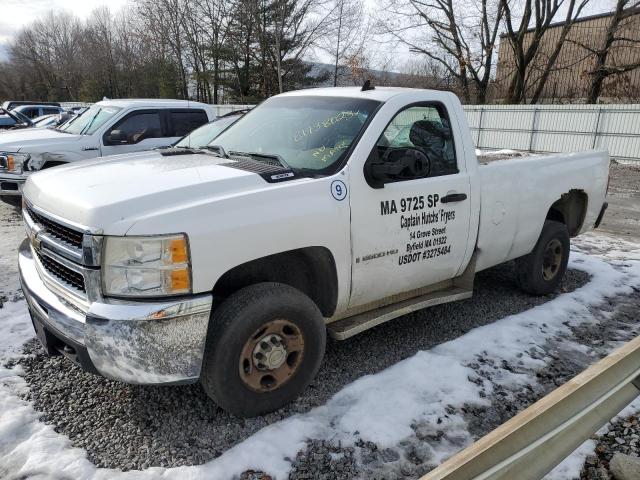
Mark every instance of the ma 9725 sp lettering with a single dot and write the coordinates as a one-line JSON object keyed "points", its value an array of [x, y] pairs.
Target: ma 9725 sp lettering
{"points": [[409, 204]]}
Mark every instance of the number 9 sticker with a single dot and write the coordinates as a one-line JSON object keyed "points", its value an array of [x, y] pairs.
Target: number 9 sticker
{"points": [[338, 190]]}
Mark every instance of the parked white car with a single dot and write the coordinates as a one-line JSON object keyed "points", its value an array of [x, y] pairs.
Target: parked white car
{"points": [[107, 128], [37, 110], [319, 210]]}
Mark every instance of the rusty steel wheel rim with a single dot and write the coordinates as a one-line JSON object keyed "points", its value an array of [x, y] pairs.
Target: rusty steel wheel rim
{"points": [[552, 259], [271, 356]]}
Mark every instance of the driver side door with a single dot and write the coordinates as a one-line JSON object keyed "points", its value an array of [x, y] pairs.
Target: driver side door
{"points": [[410, 230]]}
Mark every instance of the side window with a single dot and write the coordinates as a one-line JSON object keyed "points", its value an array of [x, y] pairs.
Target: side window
{"points": [[50, 111], [135, 128], [185, 121], [31, 112], [425, 129]]}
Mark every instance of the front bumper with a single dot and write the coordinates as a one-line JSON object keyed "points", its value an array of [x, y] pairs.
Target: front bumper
{"points": [[134, 342], [11, 183]]}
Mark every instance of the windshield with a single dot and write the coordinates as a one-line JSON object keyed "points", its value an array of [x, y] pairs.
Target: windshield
{"points": [[21, 117], [307, 132], [90, 120], [206, 133], [46, 120]]}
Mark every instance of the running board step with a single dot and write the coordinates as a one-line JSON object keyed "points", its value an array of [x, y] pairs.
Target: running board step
{"points": [[350, 326]]}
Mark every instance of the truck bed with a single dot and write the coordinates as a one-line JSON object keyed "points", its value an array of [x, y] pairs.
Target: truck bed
{"points": [[516, 195], [487, 156]]}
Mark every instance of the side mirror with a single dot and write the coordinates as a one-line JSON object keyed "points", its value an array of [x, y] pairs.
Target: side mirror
{"points": [[116, 136], [399, 164]]}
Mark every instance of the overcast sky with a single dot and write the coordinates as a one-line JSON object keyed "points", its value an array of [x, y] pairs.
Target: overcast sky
{"points": [[15, 14]]}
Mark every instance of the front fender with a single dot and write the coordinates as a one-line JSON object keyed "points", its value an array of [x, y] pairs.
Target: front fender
{"points": [[227, 232]]}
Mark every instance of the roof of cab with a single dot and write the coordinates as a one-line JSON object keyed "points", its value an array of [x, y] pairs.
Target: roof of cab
{"points": [[381, 94], [152, 102]]}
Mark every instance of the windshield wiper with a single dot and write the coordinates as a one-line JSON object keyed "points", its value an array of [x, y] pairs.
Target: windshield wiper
{"points": [[88, 127], [216, 149]]}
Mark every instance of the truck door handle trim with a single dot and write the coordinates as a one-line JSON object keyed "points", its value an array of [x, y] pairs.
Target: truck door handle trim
{"points": [[454, 197]]}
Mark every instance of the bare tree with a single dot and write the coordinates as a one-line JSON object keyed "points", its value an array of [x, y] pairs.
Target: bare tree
{"points": [[347, 28], [51, 50], [242, 49], [573, 12], [525, 35], [626, 18], [165, 21], [460, 36], [217, 19], [296, 27]]}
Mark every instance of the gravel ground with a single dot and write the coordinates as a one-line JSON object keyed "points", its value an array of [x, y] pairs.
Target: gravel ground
{"points": [[172, 426], [11, 233], [622, 217], [623, 437], [133, 427], [618, 324]]}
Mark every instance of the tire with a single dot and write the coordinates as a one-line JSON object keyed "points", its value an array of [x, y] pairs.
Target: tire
{"points": [[541, 271], [261, 323], [13, 200]]}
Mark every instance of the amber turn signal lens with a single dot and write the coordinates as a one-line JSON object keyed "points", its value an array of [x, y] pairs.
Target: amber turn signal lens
{"points": [[180, 279], [11, 163], [178, 248]]}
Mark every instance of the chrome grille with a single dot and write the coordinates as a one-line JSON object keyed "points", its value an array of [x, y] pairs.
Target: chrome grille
{"points": [[63, 273], [61, 232]]}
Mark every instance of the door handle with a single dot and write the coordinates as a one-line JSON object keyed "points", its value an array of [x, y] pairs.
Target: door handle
{"points": [[454, 197]]}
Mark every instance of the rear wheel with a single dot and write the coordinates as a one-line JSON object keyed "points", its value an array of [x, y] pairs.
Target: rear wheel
{"points": [[541, 272], [264, 346]]}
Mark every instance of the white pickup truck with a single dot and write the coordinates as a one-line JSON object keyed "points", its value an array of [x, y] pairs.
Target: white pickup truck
{"points": [[109, 127], [319, 210]]}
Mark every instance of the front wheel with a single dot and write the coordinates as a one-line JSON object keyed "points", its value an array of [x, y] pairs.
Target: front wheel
{"points": [[541, 271], [264, 346]]}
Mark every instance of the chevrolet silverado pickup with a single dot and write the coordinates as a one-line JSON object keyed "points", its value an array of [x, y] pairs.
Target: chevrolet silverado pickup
{"points": [[108, 127], [319, 211]]}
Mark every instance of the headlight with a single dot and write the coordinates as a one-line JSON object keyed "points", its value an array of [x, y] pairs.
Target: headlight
{"points": [[146, 266], [13, 162]]}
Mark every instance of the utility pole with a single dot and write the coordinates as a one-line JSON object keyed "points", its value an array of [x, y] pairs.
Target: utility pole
{"points": [[335, 71]]}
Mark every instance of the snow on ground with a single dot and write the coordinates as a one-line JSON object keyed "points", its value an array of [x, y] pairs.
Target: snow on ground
{"points": [[504, 151], [380, 408]]}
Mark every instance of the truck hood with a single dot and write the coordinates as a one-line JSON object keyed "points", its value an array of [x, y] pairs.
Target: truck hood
{"points": [[112, 193], [26, 138]]}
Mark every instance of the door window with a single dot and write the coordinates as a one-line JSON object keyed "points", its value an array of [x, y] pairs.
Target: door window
{"points": [[30, 112], [425, 129], [50, 111], [183, 122], [135, 128]]}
